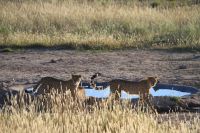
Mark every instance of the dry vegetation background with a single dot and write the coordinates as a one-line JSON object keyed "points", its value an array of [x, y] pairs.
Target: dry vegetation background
{"points": [[58, 114], [100, 24], [97, 24]]}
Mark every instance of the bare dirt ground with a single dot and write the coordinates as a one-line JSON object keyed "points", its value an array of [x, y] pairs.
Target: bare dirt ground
{"points": [[170, 67], [174, 68]]}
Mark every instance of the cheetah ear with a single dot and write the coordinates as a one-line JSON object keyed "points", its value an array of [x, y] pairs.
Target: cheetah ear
{"points": [[72, 75]]}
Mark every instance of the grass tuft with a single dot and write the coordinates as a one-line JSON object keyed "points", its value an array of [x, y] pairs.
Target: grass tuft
{"points": [[7, 50], [59, 113], [112, 24]]}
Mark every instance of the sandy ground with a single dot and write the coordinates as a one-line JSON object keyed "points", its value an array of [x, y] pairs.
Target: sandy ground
{"points": [[174, 68], [170, 67]]}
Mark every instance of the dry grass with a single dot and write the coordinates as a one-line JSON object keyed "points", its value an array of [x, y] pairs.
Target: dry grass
{"points": [[66, 116], [97, 25]]}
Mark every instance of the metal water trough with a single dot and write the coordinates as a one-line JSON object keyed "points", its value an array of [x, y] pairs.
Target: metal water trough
{"points": [[104, 85], [159, 86]]}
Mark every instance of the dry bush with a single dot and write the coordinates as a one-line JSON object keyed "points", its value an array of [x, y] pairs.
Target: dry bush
{"points": [[59, 113], [95, 25]]}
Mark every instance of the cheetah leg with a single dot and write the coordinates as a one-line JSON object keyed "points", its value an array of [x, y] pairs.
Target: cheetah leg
{"points": [[147, 100]]}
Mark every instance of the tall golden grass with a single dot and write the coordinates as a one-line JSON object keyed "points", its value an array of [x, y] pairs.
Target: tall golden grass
{"points": [[97, 25], [64, 115]]}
